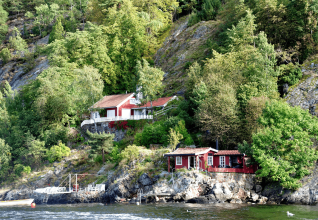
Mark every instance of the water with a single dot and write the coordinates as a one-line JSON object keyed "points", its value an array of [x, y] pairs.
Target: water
{"points": [[160, 211]]}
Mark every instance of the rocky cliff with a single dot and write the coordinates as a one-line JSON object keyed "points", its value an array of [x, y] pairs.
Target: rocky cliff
{"points": [[184, 46]]}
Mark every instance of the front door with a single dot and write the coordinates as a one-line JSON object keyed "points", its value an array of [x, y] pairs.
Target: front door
{"points": [[110, 113], [191, 162], [222, 161]]}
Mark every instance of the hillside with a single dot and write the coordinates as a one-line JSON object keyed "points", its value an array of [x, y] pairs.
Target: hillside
{"points": [[230, 63]]}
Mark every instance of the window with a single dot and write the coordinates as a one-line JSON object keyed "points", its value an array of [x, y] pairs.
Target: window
{"points": [[210, 160], [178, 160], [133, 101], [222, 161]]}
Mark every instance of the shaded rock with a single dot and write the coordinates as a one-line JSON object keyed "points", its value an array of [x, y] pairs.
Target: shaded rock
{"points": [[199, 200], [145, 180]]}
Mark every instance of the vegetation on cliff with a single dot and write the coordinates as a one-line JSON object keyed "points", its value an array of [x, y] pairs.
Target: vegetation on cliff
{"points": [[102, 47]]}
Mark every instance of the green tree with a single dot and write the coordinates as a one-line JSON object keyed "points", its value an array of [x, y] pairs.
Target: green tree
{"points": [[17, 42], [5, 155], [101, 143], [57, 152], [284, 147], [130, 153], [149, 80], [3, 20], [57, 32], [174, 138], [5, 55]]}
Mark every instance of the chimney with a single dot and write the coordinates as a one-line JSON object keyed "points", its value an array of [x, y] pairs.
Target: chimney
{"points": [[217, 144]]}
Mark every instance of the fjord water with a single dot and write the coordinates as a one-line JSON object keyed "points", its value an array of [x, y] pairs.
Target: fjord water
{"points": [[160, 211]]}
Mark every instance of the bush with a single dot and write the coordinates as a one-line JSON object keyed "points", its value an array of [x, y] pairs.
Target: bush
{"points": [[193, 19], [19, 169], [57, 152], [130, 154], [290, 74], [5, 55], [98, 159]]}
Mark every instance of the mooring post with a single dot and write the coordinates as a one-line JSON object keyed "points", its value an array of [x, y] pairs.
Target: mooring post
{"points": [[69, 184], [76, 188]]}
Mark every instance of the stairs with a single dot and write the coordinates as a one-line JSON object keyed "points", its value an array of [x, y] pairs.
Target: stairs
{"points": [[161, 113]]}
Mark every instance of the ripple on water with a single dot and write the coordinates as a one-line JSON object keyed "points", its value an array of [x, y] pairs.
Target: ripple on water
{"points": [[159, 211]]}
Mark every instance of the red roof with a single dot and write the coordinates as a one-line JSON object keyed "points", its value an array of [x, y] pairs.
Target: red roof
{"points": [[227, 152], [158, 102], [111, 100], [190, 151]]}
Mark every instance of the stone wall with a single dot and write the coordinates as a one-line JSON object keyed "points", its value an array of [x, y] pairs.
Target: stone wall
{"points": [[104, 127]]}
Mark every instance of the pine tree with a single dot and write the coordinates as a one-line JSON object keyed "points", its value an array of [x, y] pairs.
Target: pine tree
{"points": [[101, 142], [57, 31]]}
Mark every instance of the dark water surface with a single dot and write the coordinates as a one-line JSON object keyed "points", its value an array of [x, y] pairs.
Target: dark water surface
{"points": [[160, 211]]}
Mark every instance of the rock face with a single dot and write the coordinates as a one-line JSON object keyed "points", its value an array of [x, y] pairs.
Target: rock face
{"points": [[16, 73], [305, 94], [192, 187], [307, 194], [181, 48], [103, 127]]}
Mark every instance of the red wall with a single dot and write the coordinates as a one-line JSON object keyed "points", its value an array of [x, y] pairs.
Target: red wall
{"points": [[126, 105], [216, 160], [184, 163]]}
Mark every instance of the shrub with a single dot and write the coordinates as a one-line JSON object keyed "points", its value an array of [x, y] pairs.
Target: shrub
{"points": [[98, 159], [57, 152], [18, 169], [130, 154], [5, 55], [290, 74]]}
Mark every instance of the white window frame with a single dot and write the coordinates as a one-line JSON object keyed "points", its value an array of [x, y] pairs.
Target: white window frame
{"points": [[210, 159], [222, 157], [133, 101], [180, 158]]}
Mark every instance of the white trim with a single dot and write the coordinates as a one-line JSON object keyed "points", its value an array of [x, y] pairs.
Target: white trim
{"points": [[189, 159], [177, 160], [173, 98], [204, 152], [212, 160], [128, 98], [224, 161]]}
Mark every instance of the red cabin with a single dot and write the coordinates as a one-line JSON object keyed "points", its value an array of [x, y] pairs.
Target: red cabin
{"points": [[211, 160]]}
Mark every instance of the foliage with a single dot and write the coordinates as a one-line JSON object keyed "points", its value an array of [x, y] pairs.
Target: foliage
{"points": [[149, 80], [130, 153], [283, 148], [57, 152], [174, 138], [17, 42], [5, 55], [101, 143], [205, 11], [3, 20], [159, 132], [57, 32], [290, 74], [221, 89], [5, 156]]}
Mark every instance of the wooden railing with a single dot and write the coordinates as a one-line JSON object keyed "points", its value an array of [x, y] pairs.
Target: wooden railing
{"points": [[163, 111], [116, 118]]}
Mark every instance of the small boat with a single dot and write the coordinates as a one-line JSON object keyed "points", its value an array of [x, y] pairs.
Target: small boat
{"points": [[16, 202]]}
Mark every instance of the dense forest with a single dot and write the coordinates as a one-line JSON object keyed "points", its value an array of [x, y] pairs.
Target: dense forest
{"points": [[103, 47]]}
